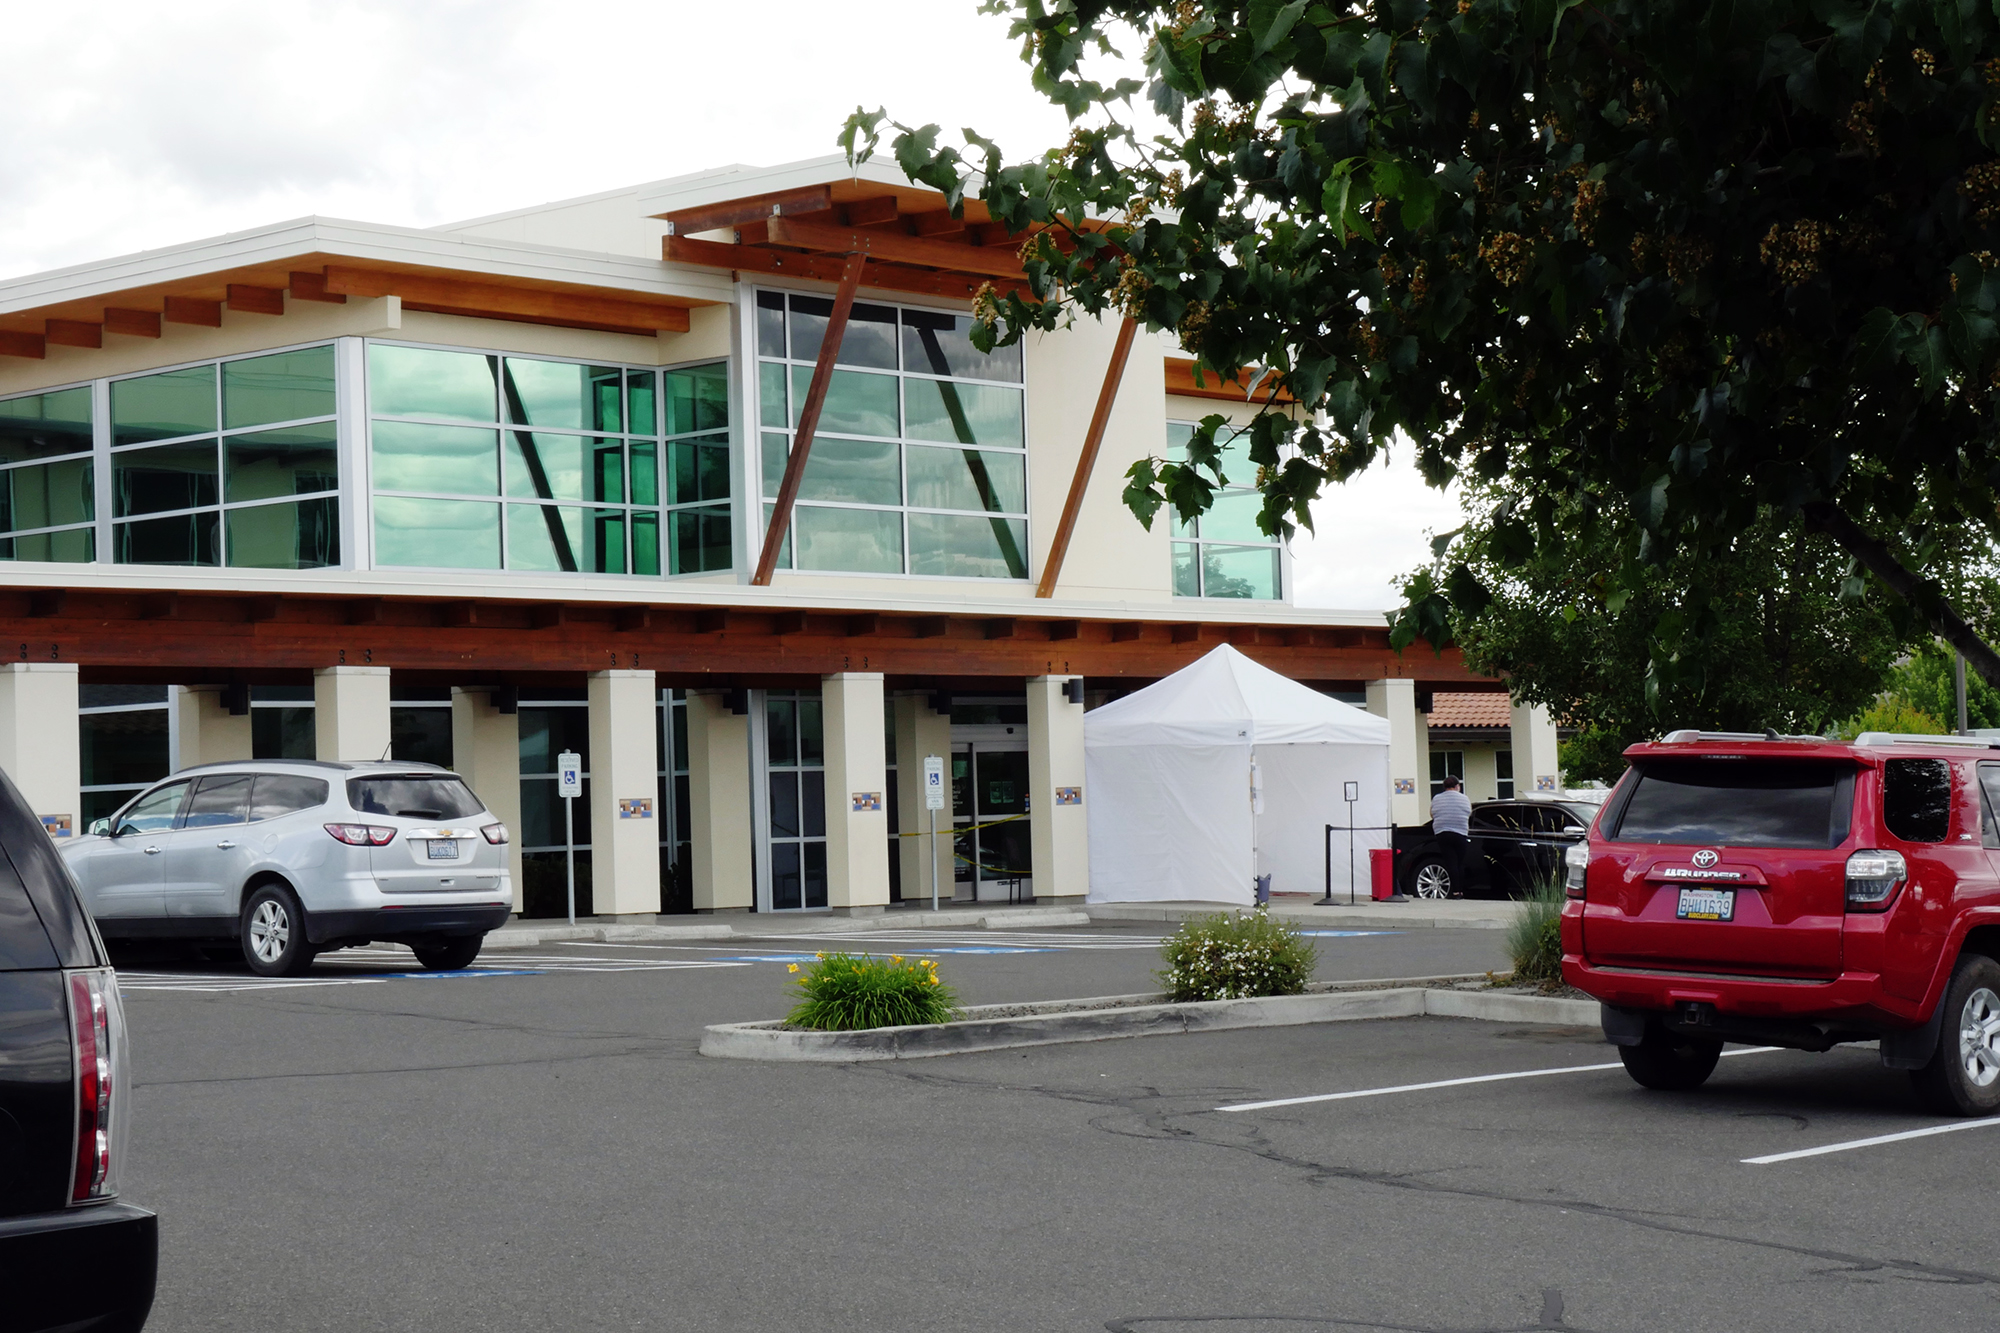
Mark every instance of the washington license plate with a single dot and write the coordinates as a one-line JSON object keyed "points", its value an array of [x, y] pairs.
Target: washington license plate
{"points": [[446, 849], [1707, 905]]}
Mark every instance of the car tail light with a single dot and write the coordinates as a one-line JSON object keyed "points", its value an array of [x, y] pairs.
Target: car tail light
{"points": [[1576, 860], [1873, 878], [362, 835], [97, 1035], [494, 833]]}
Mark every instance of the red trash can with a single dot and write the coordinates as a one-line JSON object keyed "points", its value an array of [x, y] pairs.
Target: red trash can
{"points": [[1381, 873]]}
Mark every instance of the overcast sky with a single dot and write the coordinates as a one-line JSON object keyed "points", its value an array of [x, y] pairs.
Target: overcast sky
{"points": [[130, 126]]}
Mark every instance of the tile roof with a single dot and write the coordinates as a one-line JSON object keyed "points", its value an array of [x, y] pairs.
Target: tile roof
{"points": [[1470, 710]]}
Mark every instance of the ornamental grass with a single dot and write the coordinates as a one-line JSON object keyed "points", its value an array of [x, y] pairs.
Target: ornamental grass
{"points": [[843, 992], [1534, 941], [1234, 956]]}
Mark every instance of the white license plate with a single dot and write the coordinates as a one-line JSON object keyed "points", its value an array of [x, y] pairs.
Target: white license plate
{"points": [[442, 849], [1707, 905]]}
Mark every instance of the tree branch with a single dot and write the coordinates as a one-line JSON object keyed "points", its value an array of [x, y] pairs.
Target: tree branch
{"points": [[1912, 587]]}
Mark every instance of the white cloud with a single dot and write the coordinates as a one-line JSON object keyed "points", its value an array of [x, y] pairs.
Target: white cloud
{"points": [[1370, 532]]}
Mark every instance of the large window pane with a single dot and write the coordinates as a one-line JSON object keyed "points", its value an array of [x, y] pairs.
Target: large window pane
{"points": [[282, 733], [437, 534], [420, 735], [965, 413], [646, 540], [557, 393], [1239, 571], [546, 733], [968, 479], [558, 538], [305, 535], [701, 468], [422, 382], [452, 459], [1233, 517], [645, 472], [267, 464], [940, 344], [124, 747], [859, 541], [987, 548], [698, 399], [642, 395], [43, 425], [159, 407], [188, 539], [856, 403], [564, 467], [771, 394], [170, 476], [858, 471], [72, 546], [701, 539], [870, 339], [48, 495], [282, 387], [781, 731], [771, 324], [1187, 570]]}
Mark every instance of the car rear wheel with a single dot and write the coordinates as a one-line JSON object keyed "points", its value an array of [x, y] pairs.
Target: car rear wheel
{"points": [[1669, 1062], [450, 953], [273, 934], [1431, 879], [1963, 1077]]}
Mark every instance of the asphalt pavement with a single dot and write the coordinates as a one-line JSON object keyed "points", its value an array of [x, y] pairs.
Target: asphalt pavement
{"points": [[537, 1145]]}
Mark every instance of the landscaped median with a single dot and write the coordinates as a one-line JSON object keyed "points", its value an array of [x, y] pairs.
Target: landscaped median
{"points": [[995, 1027]]}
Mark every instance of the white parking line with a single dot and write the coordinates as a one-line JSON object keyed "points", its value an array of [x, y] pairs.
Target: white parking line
{"points": [[1453, 1083], [1879, 1139]]}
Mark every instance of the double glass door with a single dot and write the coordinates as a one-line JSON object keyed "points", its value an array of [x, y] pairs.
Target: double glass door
{"points": [[989, 808]]}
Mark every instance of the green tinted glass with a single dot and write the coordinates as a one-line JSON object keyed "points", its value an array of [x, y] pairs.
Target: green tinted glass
{"points": [[870, 339], [48, 495], [701, 539], [305, 535], [1235, 461], [422, 382], [701, 468], [784, 542], [453, 459], [698, 399], [645, 541], [771, 324], [856, 403], [76, 546], [1239, 571], [967, 547], [159, 407], [564, 467], [771, 394], [168, 476], [645, 472], [559, 538], [856, 471], [43, 425], [557, 393], [185, 539], [264, 465], [1187, 572], [1178, 435], [777, 448], [968, 479], [437, 534], [1233, 517], [939, 344], [284, 387], [857, 541], [963, 413]]}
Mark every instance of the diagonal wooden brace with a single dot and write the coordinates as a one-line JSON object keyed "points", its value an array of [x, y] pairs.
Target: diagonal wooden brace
{"points": [[1087, 460]]}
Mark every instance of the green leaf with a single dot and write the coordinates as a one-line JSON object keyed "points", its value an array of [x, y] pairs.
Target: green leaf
{"points": [[1142, 493], [1271, 22]]}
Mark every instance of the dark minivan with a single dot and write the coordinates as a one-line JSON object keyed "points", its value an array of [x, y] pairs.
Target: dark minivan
{"points": [[72, 1256]]}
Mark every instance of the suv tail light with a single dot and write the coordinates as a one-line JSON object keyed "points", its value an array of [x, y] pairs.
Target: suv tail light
{"points": [[1873, 878], [97, 1036], [362, 835], [1576, 860], [494, 833]]}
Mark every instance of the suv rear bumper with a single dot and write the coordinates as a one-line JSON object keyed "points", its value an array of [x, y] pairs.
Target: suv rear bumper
{"points": [[82, 1270], [405, 923], [1852, 1001]]}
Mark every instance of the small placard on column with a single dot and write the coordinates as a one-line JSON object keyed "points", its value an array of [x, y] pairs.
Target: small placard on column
{"points": [[59, 826], [867, 800], [1069, 796], [635, 807]]}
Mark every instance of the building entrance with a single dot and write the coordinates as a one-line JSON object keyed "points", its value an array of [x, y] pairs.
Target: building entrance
{"points": [[989, 807]]}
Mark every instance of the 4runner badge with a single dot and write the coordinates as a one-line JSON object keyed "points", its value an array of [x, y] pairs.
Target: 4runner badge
{"points": [[1706, 858]]}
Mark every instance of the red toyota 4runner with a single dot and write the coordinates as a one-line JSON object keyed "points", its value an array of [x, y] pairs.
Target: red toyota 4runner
{"points": [[1794, 891]]}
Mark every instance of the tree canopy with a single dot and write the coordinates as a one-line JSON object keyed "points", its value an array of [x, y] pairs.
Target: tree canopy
{"points": [[1676, 269]]}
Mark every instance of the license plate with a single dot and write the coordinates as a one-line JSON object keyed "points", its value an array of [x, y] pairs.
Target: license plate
{"points": [[442, 849], [1707, 905]]}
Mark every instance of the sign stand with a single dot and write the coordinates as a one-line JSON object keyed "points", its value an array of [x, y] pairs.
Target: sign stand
{"points": [[934, 802], [569, 785], [1352, 793]]}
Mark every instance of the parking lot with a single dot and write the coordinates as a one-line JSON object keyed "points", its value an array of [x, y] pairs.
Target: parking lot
{"points": [[535, 1144]]}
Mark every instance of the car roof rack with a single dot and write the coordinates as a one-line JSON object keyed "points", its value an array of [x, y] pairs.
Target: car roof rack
{"points": [[1909, 738], [1689, 735]]}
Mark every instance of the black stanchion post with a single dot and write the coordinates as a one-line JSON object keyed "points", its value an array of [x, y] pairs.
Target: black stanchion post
{"points": [[1327, 901]]}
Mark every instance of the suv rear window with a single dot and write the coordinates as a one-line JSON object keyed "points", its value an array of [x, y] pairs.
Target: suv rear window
{"points": [[1739, 803], [414, 797]]}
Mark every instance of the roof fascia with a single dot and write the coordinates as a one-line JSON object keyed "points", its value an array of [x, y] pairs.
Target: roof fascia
{"points": [[748, 183], [643, 190]]}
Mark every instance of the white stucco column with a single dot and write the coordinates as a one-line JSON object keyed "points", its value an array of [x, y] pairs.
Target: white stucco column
{"points": [[1537, 769], [857, 820], [486, 752], [1058, 834], [40, 742], [351, 712], [624, 768], [1409, 769], [209, 732], [1423, 744], [719, 804], [919, 733]]}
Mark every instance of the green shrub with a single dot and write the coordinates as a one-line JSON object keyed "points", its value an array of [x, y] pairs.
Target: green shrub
{"points": [[1534, 941], [1235, 955], [843, 992]]}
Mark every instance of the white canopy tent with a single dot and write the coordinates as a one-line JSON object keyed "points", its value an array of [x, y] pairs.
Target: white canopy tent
{"points": [[1170, 773]]}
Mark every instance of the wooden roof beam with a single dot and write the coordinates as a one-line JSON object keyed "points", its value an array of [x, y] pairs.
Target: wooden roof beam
{"points": [[938, 224], [873, 212], [735, 212], [31, 345], [946, 255], [256, 300], [312, 287], [483, 300], [825, 268], [132, 323], [73, 333], [194, 310]]}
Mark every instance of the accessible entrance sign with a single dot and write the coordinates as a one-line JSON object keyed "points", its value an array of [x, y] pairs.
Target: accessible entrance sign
{"points": [[934, 802], [569, 785]]}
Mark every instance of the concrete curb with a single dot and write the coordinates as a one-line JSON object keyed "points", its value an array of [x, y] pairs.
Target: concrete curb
{"points": [[524, 937], [998, 1027], [1362, 916]]}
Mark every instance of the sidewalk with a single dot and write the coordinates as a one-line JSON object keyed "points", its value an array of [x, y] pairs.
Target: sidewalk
{"points": [[1416, 914]]}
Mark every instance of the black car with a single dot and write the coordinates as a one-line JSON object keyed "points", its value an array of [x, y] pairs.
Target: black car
{"points": [[1515, 845], [72, 1257]]}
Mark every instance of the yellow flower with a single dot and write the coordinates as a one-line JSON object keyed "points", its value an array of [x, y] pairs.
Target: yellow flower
{"points": [[791, 967], [895, 958]]}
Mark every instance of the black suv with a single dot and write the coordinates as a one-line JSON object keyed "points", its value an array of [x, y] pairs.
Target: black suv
{"points": [[1515, 845], [72, 1258]]}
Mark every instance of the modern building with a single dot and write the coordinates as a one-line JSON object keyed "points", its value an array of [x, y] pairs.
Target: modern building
{"points": [[481, 493]]}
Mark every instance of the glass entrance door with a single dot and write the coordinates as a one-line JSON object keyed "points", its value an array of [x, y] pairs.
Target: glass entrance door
{"points": [[795, 786], [989, 807]]}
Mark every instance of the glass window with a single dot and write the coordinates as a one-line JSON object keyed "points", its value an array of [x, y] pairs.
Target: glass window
{"points": [[48, 495], [427, 382], [698, 399], [71, 546], [164, 477], [559, 538], [936, 343], [453, 459], [698, 471], [305, 535], [564, 467], [700, 539], [1503, 773], [771, 324], [414, 797], [870, 339], [185, 539], [1739, 803], [219, 800], [287, 386], [642, 410], [1916, 799], [155, 811], [965, 547], [1240, 571], [436, 534], [1250, 566], [967, 479], [161, 407], [275, 794], [45, 425], [856, 403], [127, 747], [854, 540], [562, 394], [964, 413], [1446, 763], [266, 465]]}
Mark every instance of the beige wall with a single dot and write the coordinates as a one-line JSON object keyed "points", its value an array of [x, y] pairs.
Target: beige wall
{"points": [[624, 765], [857, 841], [209, 732], [719, 804], [610, 223], [486, 752], [38, 737]]}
